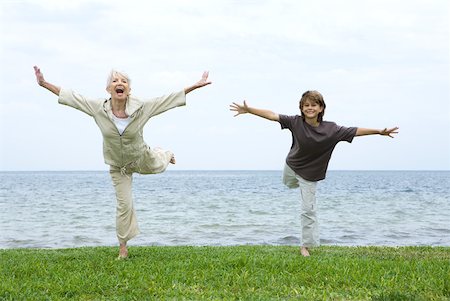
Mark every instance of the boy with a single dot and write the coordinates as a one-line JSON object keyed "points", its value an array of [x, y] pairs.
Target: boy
{"points": [[313, 141]]}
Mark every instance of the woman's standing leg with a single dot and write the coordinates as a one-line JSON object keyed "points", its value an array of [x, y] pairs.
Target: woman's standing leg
{"points": [[126, 221]]}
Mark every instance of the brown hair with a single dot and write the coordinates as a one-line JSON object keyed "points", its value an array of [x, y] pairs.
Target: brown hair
{"points": [[315, 97]]}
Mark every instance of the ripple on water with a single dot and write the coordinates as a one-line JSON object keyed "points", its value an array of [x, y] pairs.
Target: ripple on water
{"points": [[70, 209]]}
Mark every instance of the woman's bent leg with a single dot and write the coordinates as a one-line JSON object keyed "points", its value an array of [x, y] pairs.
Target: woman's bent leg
{"points": [[126, 221], [154, 161]]}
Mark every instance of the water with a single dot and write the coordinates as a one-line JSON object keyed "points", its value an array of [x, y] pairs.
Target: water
{"points": [[73, 209]]}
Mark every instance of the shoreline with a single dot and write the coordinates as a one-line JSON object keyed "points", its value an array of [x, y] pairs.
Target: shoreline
{"points": [[393, 247]]}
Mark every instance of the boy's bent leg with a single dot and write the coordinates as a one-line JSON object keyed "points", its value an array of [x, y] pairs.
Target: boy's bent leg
{"points": [[309, 222], [126, 221], [289, 177]]}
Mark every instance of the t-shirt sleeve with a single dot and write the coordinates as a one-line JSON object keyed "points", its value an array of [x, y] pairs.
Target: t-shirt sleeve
{"points": [[285, 121], [345, 133]]}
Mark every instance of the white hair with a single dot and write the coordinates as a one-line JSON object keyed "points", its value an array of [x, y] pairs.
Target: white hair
{"points": [[115, 73]]}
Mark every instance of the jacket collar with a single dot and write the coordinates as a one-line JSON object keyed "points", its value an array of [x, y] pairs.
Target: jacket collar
{"points": [[131, 107]]}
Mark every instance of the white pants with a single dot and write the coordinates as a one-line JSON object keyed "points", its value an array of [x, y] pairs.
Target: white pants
{"points": [[309, 222], [154, 161]]}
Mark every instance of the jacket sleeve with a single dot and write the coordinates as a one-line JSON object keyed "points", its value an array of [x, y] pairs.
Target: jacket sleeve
{"points": [[161, 104], [72, 99]]}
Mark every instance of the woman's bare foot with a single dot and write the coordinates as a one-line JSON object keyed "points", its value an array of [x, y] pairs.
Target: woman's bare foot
{"points": [[123, 251], [304, 251], [172, 160]]}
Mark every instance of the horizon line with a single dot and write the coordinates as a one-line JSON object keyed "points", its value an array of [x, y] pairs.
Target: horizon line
{"points": [[182, 170]]}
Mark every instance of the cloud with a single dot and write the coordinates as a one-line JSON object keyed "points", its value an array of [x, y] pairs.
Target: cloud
{"points": [[376, 62]]}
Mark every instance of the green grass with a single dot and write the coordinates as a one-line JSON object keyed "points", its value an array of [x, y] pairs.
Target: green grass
{"points": [[226, 273]]}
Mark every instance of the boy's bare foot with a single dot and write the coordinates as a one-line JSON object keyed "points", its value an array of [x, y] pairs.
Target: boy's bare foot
{"points": [[304, 251], [172, 160]]}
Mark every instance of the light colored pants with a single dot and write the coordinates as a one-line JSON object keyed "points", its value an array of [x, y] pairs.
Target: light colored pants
{"points": [[309, 222], [155, 161]]}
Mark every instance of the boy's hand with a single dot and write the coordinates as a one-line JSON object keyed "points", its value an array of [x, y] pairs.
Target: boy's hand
{"points": [[389, 132], [240, 109]]}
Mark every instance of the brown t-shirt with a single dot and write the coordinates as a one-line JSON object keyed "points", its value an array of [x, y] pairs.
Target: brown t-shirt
{"points": [[312, 146]]}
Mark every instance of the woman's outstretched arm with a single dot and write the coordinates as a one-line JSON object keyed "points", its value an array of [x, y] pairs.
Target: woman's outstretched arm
{"points": [[201, 83], [43, 83]]}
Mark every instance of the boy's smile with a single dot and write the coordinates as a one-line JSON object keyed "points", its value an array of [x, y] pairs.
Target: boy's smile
{"points": [[311, 110]]}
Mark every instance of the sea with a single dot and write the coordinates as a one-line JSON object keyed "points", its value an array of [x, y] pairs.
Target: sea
{"points": [[68, 209]]}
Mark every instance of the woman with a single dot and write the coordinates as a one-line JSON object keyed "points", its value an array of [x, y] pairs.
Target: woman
{"points": [[121, 120], [313, 141]]}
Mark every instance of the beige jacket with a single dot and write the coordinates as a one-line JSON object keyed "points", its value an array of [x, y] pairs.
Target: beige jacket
{"points": [[122, 150]]}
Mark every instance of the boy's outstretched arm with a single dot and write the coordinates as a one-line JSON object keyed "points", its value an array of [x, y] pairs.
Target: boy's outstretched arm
{"points": [[244, 108], [383, 132]]}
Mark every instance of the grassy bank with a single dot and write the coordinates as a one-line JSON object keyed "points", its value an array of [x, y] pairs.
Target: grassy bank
{"points": [[230, 273]]}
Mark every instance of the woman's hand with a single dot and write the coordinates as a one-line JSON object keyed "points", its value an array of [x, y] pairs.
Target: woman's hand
{"points": [[204, 81], [39, 76], [41, 81], [201, 83]]}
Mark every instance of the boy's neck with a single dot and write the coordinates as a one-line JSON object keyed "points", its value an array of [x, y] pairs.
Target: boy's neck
{"points": [[312, 122]]}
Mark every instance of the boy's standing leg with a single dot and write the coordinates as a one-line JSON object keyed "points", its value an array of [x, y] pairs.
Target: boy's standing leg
{"points": [[310, 226]]}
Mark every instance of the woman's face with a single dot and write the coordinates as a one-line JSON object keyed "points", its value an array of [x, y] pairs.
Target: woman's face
{"points": [[119, 88]]}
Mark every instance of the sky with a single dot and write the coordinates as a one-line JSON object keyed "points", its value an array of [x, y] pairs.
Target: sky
{"points": [[378, 63]]}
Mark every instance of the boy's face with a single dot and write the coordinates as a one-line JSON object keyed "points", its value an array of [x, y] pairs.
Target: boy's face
{"points": [[119, 88], [311, 109]]}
